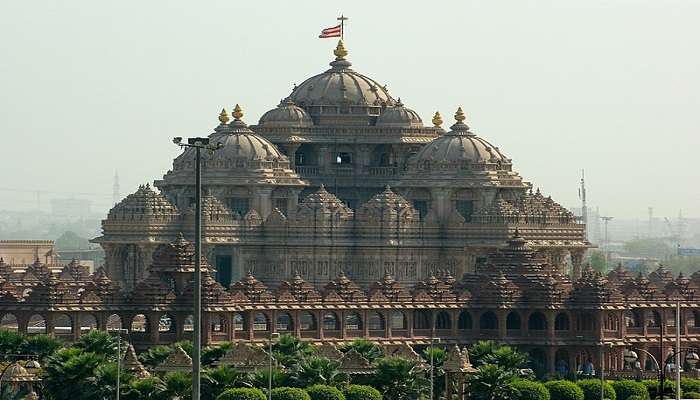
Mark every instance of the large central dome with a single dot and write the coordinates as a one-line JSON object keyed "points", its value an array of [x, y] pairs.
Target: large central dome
{"points": [[340, 85]]}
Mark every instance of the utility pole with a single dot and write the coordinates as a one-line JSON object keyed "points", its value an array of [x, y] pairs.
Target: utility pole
{"points": [[584, 208], [115, 188], [607, 243]]}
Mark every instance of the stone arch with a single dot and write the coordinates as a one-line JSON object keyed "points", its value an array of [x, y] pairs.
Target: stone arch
{"points": [[375, 321], [612, 322], [513, 321], [88, 322], [536, 322], [331, 321], [443, 320], [239, 322], [114, 322], [353, 321], [217, 322], [561, 322], [9, 322], [421, 319], [36, 325], [166, 324], [307, 322], [140, 323], [584, 322], [284, 323], [261, 322], [653, 319], [398, 320], [464, 321], [488, 321], [63, 324], [633, 318]]}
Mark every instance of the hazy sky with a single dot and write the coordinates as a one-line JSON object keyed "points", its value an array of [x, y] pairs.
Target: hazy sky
{"points": [[90, 87]]}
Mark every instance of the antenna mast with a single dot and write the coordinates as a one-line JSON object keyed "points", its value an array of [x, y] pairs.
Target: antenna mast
{"points": [[584, 208]]}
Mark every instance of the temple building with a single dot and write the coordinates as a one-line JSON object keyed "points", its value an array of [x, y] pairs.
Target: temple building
{"points": [[341, 176], [340, 215]]}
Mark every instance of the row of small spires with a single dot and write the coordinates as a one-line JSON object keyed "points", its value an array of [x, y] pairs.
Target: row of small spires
{"points": [[437, 118]]}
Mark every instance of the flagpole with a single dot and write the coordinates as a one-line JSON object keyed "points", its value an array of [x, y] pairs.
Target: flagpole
{"points": [[342, 20]]}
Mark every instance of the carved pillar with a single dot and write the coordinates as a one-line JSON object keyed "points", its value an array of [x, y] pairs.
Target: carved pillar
{"points": [[502, 317], [319, 325], [576, 260], [551, 359], [409, 322], [454, 315], [76, 325], [387, 324], [154, 326], [365, 324], [341, 317], [291, 150], [324, 159]]}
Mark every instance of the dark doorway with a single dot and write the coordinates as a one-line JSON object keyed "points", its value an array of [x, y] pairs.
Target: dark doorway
{"points": [[223, 270]]}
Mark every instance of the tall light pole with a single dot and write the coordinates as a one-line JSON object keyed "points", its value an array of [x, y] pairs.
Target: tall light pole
{"points": [[197, 144], [273, 336], [119, 357], [607, 243]]}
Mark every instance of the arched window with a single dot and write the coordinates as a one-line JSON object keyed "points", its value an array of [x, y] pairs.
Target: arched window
{"points": [[9, 323], [513, 321], [353, 322], [114, 322], [375, 321], [421, 319], [464, 321], [561, 322], [166, 324], [633, 319], [239, 322], [37, 325], [443, 321], [330, 322], [217, 322], [307, 321], [285, 323], [260, 322], [584, 322], [398, 320], [612, 323], [538, 360], [654, 319], [537, 322], [88, 322], [188, 325], [139, 323], [488, 321], [63, 324]]}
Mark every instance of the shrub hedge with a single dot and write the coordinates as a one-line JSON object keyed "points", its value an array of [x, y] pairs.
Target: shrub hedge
{"points": [[242, 394], [363, 392], [564, 390], [323, 392], [289, 393], [530, 390], [591, 389], [691, 395], [626, 388]]}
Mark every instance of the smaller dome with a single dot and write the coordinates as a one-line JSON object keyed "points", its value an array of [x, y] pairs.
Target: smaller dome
{"points": [[144, 202], [399, 116], [287, 114]]}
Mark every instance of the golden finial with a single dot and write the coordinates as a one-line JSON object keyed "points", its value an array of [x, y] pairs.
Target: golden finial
{"points": [[340, 51], [437, 119], [237, 113], [459, 115], [223, 116]]}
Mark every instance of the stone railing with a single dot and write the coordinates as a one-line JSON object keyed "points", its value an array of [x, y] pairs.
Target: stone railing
{"points": [[382, 171], [306, 170]]}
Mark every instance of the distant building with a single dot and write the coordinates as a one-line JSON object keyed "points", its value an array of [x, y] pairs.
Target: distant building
{"points": [[71, 207], [22, 252]]}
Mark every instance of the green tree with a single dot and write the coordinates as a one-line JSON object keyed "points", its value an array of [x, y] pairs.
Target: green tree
{"points": [[479, 351], [439, 357], [626, 388], [399, 379], [260, 378], [318, 371], [104, 379], [10, 342], [145, 389], [507, 358], [155, 355], [596, 259], [530, 390], [367, 348], [290, 350], [98, 342], [68, 375], [689, 385], [324, 392], [361, 392], [221, 378], [564, 390], [213, 353], [71, 241], [491, 382], [41, 346], [242, 394], [178, 385], [591, 389], [289, 393]]}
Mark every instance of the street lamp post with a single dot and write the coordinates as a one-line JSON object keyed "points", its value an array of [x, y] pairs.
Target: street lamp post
{"points": [[433, 340], [197, 144], [691, 358], [273, 336], [119, 357]]}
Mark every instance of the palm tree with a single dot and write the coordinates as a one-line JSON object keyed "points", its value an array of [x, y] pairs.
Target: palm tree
{"points": [[259, 378], [41, 346], [507, 358], [216, 380], [98, 342], [290, 350], [318, 371], [491, 382], [480, 350], [146, 389], [369, 350], [439, 357], [178, 384], [400, 379], [68, 375]]}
